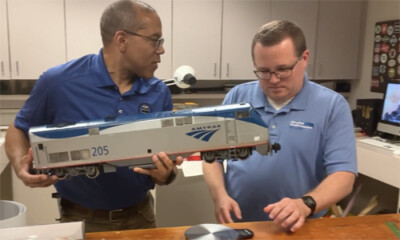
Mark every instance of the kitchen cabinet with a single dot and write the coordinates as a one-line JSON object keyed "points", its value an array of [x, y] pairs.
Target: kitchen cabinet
{"points": [[83, 33], [197, 36], [212, 36], [303, 13], [82, 25], [337, 40], [4, 51], [240, 22], [36, 35], [332, 31]]}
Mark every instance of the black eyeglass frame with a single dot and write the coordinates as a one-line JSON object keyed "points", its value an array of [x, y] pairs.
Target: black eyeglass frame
{"points": [[277, 73], [159, 42]]}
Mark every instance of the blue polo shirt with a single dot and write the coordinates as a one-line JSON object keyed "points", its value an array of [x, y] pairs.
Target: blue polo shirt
{"points": [[82, 89], [315, 131]]}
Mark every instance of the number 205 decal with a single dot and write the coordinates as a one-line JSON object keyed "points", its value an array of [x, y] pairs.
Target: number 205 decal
{"points": [[100, 151]]}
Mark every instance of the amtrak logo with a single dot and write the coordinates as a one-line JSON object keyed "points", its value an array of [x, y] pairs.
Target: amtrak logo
{"points": [[204, 133], [144, 108]]}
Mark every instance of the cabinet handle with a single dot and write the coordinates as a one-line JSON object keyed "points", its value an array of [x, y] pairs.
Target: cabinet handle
{"points": [[227, 69], [2, 68], [215, 69], [17, 67]]}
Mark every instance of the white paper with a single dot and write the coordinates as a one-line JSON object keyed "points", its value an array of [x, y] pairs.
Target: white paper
{"points": [[192, 168]]}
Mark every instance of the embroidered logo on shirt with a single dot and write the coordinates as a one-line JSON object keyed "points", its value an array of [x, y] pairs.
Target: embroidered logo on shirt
{"points": [[301, 125], [144, 108]]}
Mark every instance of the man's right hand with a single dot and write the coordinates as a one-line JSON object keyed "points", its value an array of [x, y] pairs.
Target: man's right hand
{"points": [[22, 171], [223, 207]]}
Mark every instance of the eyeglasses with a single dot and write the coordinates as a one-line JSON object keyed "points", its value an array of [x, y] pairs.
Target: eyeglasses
{"points": [[158, 42], [280, 73]]}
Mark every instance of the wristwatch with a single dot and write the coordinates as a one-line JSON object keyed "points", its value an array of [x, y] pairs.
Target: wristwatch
{"points": [[309, 202]]}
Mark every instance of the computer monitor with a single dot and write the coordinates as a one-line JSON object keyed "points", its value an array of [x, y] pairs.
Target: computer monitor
{"points": [[389, 121]]}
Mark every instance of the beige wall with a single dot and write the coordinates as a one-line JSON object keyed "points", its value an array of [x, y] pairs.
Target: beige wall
{"points": [[377, 10]]}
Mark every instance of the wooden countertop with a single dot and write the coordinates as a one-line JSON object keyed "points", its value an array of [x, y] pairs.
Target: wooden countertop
{"points": [[366, 227]]}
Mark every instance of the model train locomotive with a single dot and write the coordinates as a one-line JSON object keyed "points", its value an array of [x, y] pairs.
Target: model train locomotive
{"points": [[92, 147]]}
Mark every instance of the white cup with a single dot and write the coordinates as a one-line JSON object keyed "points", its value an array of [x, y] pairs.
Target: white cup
{"points": [[12, 214]]}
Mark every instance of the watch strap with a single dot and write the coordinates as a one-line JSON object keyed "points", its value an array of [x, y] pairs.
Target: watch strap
{"points": [[310, 203]]}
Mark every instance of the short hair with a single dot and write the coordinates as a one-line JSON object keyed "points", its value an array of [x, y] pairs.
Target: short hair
{"points": [[274, 32], [122, 15]]}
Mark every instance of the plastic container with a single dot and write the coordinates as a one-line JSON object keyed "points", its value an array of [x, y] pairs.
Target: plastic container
{"points": [[12, 214]]}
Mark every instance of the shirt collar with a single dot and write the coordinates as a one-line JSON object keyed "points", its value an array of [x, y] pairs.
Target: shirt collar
{"points": [[301, 99], [103, 77], [140, 86]]}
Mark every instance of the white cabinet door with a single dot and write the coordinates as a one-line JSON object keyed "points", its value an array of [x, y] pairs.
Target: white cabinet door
{"points": [[37, 36], [241, 20], [4, 52], [304, 13], [83, 29], [338, 40], [82, 22], [197, 36]]}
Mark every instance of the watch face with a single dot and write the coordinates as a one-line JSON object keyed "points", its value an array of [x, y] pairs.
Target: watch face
{"points": [[310, 202]]}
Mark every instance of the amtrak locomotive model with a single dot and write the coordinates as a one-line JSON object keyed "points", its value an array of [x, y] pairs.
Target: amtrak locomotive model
{"points": [[92, 147]]}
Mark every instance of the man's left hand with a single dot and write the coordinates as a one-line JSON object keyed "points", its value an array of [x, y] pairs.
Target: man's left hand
{"points": [[289, 213], [164, 168]]}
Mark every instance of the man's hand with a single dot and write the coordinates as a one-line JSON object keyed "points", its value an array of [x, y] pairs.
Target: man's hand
{"points": [[22, 171], [164, 167], [289, 213], [223, 206]]}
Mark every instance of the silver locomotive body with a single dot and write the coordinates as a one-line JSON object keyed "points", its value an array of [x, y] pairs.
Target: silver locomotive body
{"points": [[226, 131]]}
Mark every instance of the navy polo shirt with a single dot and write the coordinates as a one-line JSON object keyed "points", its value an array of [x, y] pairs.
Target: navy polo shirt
{"points": [[315, 131], [82, 89]]}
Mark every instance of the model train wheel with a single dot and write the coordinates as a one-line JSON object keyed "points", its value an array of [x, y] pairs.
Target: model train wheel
{"points": [[208, 157], [92, 171], [243, 153], [60, 173]]}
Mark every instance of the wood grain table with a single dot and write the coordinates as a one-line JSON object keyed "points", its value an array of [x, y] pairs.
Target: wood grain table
{"points": [[380, 227]]}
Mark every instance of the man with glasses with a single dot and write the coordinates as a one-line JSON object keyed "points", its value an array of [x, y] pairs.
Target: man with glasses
{"points": [[316, 166], [118, 81]]}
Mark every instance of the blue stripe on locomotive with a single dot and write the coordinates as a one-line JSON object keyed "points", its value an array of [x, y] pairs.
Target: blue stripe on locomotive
{"points": [[52, 132]]}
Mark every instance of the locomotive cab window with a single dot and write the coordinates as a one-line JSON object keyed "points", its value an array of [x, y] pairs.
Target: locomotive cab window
{"points": [[242, 114]]}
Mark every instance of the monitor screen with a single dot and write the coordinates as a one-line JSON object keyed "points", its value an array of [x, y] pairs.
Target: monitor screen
{"points": [[390, 116]]}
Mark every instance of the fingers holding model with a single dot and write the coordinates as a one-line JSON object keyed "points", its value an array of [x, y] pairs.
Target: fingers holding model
{"points": [[165, 170], [20, 155], [29, 179]]}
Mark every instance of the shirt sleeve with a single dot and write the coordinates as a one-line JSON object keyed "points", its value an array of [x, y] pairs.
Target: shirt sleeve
{"points": [[340, 147], [35, 110], [167, 100]]}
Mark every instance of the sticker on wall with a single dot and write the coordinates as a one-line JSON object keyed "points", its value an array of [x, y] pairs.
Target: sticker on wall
{"points": [[392, 53], [390, 30], [386, 57]]}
